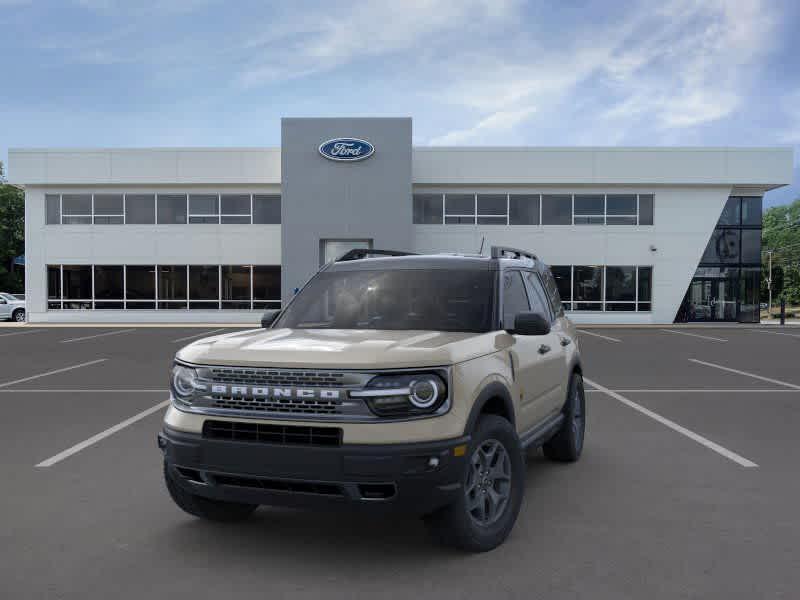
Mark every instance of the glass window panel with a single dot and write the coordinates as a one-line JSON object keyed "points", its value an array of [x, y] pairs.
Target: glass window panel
{"points": [[266, 282], [588, 283], [731, 212], [204, 220], [751, 211], [583, 220], [537, 296], [203, 282], [203, 204], [645, 284], [194, 305], [590, 204], [515, 299], [106, 305], [523, 209], [588, 306], [723, 247], [643, 307], [492, 204], [459, 220], [140, 282], [263, 305], [236, 204], [74, 220], [236, 283], [646, 209], [87, 305], [76, 204], [53, 209], [562, 275], [235, 220], [167, 305], [750, 295], [621, 204], [557, 209], [140, 209], [491, 220], [267, 209], [238, 305], [459, 204], [139, 305], [751, 246], [171, 282], [620, 283], [54, 306], [108, 282], [171, 209], [54, 282], [621, 307], [77, 282], [611, 220], [108, 220], [108, 204]]}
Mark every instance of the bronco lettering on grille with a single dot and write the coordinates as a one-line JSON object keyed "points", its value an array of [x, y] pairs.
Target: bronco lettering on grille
{"points": [[273, 392]]}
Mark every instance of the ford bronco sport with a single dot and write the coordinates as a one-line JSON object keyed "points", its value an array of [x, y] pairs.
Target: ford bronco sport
{"points": [[390, 381]]}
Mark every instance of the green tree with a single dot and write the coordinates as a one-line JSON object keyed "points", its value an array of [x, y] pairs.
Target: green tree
{"points": [[781, 235], [12, 235]]}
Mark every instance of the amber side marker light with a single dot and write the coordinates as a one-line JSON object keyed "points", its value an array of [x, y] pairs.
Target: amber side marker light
{"points": [[460, 450]]}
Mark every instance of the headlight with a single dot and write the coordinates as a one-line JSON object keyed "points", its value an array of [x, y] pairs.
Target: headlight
{"points": [[184, 383], [404, 395]]}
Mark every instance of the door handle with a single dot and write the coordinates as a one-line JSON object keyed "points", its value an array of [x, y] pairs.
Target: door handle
{"points": [[544, 349], [565, 341]]}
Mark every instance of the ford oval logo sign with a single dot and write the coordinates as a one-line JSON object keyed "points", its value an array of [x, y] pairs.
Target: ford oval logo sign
{"points": [[346, 149]]}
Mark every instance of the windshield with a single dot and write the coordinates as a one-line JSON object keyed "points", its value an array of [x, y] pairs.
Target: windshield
{"points": [[436, 300]]}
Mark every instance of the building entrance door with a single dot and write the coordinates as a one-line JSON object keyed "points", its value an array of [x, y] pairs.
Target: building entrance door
{"points": [[711, 300]]}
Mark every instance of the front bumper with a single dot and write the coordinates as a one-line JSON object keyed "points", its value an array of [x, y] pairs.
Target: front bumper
{"points": [[414, 478]]}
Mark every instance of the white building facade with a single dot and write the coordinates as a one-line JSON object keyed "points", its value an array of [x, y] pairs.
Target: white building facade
{"points": [[634, 235]]}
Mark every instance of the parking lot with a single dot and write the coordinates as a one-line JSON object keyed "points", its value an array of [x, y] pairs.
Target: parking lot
{"points": [[687, 488]]}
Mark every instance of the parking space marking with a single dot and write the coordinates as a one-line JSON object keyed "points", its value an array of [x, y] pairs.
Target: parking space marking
{"points": [[700, 391], [794, 335], [165, 391], [738, 459], [746, 374], [191, 337], [22, 332], [697, 335], [100, 436], [55, 372], [91, 337], [605, 337]]}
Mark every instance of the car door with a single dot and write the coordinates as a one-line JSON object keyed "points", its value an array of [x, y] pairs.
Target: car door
{"points": [[532, 356], [557, 364]]}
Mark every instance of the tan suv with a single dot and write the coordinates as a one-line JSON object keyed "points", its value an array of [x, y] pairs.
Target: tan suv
{"points": [[391, 381]]}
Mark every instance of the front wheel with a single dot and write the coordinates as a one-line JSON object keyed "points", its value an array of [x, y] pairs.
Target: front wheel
{"points": [[19, 315], [567, 444], [493, 486]]}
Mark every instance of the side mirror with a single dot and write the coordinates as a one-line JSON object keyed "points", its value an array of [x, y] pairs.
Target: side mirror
{"points": [[530, 323], [268, 318]]}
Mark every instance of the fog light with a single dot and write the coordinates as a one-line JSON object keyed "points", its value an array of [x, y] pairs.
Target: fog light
{"points": [[433, 462]]}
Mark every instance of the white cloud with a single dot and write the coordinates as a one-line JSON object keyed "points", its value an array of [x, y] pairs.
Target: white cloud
{"points": [[496, 122]]}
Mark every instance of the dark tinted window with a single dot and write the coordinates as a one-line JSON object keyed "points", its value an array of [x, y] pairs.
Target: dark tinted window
{"points": [[266, 282], [751, 211], [203, 282], [438, 300], [731, 213], [77, 282], [108, 209], [645, 285], [53, 281], [235, 208], [236, 287], [203, 208], [588, 284], [523, 209], [515, 299], [723, 247], [556, 209], [76, 209], [537, 296], [267, 209], [589, 209], [53, 209], [561, 280], [428, 209], [646, 209], [108, 282], [621, 204], [620, 284], [459, 204], [492, 204], [140, 209], [751, 245], [171, 209], [172, 282]]}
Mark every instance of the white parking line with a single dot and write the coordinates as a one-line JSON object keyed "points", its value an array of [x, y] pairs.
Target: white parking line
{"points": [[605, 337], [191, 337], [698, 391], [90, 337], [164, 391], [697, 335], [22, 332], [102, 435], [86, 364], [740, 460], [746, 374], [795, 335]]}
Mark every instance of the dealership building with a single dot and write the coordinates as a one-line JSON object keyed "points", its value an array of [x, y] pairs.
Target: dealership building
{"points": [[633, 235]]}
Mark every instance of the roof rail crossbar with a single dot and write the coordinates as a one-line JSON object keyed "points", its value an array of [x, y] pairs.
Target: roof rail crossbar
{"points": [[359, 253], [505, 251]]}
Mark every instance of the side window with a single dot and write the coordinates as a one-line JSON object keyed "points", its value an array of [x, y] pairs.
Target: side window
{"points": [[515, 300], [539, 302], [552, 292]]}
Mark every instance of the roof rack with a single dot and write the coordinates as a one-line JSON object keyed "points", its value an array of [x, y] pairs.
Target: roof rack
{"points": [[359, 253], [505, 251]]}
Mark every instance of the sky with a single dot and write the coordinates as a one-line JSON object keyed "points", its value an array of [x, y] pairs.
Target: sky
{"points": [[107, 73]]}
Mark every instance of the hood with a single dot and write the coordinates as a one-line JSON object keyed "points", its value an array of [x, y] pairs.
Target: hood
{"points": [[340, 348]]}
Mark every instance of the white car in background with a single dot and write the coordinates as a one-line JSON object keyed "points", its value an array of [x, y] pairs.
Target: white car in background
{"points": [[12, 308]]}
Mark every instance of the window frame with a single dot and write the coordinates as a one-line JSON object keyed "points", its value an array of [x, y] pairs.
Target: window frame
{"points": [[570, 303]]}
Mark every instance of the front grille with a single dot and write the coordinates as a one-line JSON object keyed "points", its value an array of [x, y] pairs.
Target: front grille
{"points": [[280, 485], [273, 434], [267, 377], [278, 405]]}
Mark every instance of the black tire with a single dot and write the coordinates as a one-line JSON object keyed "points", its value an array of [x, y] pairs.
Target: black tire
{"points": [[18, 315], [205, 508], [567, 444], [456, 525]]}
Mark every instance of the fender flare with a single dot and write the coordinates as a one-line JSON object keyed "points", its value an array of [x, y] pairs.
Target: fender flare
{"points": [[494, 389]]}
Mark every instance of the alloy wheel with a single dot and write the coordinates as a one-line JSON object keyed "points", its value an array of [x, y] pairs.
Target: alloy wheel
{"points": [[488, 486]]}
